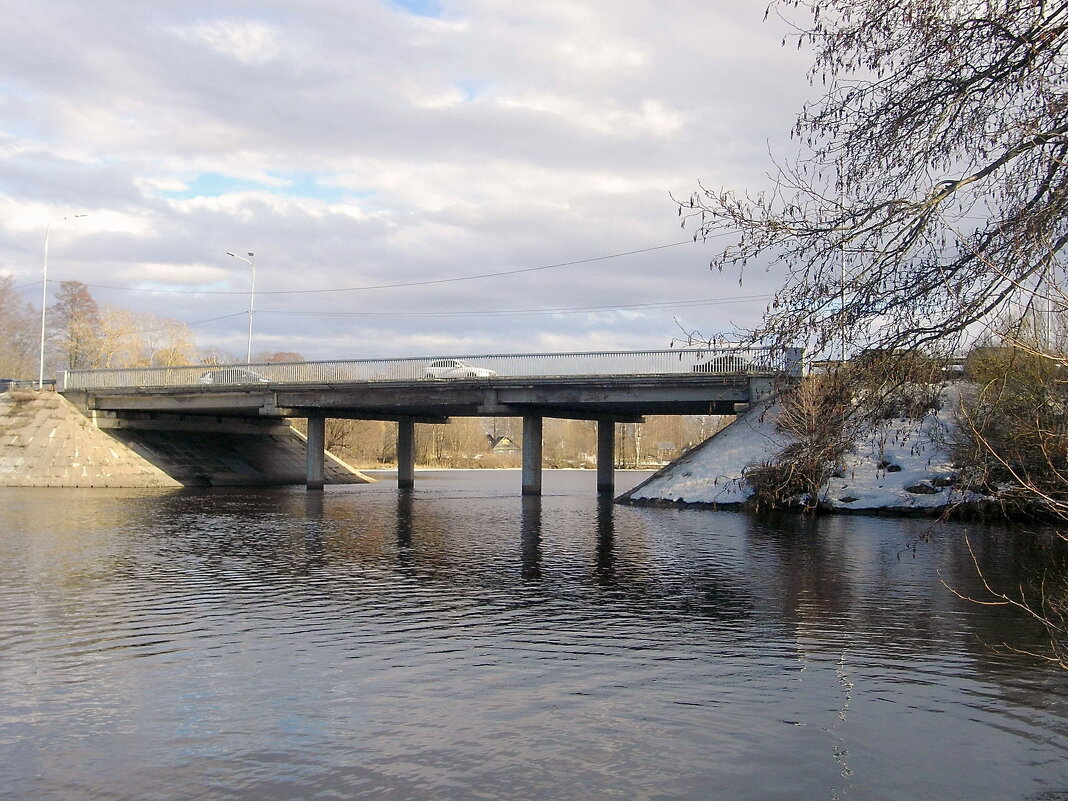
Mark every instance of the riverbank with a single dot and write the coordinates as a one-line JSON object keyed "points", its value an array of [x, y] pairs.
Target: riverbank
{"points": [[902, 466]]}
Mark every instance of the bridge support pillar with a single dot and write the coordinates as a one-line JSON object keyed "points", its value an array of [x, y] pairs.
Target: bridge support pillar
{"points": [[405, 454], [606, 457], [532, 426], [316, 453]]}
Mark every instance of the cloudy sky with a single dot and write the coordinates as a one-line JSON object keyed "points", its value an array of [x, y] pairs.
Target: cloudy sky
{"points": [[415, 177]]}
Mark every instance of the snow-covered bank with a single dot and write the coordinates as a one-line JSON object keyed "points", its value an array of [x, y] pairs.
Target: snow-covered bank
{"points": [[901, 465]]}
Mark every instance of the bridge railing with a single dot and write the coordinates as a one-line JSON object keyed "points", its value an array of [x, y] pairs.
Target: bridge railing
{"points": [[709, 361]]}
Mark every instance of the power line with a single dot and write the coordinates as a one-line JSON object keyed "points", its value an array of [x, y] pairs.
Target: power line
{"points": [[453, 279], [668, 304], [400, 284], [215, 319]]}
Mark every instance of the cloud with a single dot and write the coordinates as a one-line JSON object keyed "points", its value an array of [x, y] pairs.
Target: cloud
{"points": [[249, 42], [651, 118], [368, 143]]}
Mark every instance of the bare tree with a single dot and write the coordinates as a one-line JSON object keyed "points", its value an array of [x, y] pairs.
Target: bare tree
{"points": [[933, 185], [212, 354], [1045, 600], [278, 357], [167, 342], [931, 196], [127, 338], [1012, 427], [18, 333], [821, 419], [363, 443], [74, 320]]}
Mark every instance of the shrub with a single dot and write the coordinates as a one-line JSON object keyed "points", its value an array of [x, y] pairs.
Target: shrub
{"points": [[816, 414], [1013, 430]]}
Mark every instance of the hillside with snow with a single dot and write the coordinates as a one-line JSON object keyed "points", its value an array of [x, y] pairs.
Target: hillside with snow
{"points": [[899, 465]]}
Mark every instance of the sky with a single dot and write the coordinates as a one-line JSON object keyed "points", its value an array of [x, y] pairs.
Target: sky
{"points": [[413, 177]]}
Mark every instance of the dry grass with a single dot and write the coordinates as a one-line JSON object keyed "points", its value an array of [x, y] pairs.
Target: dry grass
{"points": [[22, 395]]}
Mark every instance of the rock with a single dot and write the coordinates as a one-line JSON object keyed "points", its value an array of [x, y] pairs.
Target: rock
{"points": [[922, 489]]}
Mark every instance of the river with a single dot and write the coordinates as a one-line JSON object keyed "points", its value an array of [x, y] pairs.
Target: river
{"points": [[461, 642]]}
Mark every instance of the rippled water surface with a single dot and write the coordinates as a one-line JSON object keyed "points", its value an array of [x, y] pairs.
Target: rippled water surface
{"points": [[461, 642]]}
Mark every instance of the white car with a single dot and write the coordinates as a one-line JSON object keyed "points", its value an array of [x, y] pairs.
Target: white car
{"points": [[231, 375], [454, 368], [723, 364]]}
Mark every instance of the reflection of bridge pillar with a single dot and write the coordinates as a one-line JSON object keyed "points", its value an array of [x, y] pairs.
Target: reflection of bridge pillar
{"points": [[316, 452], [405, 453], [532, 454], [606, 456], [405, 514], [530, 538], [605, 541]]}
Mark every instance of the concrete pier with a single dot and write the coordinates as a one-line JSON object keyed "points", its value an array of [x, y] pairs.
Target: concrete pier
{"points": [[316, 452], [405, 453], [606, 457], [532, 443]]}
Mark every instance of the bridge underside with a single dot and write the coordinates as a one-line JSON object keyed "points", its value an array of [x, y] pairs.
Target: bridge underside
{"points": [[605, 399]]}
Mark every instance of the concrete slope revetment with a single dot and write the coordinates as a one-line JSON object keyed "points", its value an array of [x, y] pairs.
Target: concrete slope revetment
{"points": [[45, 441]]}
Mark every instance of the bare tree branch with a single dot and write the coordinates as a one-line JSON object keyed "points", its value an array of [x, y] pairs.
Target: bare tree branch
{"points": [[939, 148]]}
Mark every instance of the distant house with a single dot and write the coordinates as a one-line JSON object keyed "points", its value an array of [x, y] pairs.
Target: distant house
{"points": [[502, 445], [665, 451]]}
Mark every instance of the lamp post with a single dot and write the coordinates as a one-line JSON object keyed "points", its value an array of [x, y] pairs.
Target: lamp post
{"points": [[44, 296], [251, 262]]}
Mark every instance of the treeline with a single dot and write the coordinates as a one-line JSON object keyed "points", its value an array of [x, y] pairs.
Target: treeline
{"points": [[80, 333], [470, 442]]}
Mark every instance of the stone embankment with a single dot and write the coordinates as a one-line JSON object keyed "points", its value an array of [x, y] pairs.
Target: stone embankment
{"points": [[45, 441]]}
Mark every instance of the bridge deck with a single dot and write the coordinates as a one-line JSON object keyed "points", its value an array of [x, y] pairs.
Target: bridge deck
{"points": [[570, 397]]}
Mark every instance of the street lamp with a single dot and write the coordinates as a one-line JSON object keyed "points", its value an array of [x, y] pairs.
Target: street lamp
{"points": [[251, 262], [44, 296]]}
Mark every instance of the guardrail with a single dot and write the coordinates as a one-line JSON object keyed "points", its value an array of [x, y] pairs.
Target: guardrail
{"points": [[713, 361]]}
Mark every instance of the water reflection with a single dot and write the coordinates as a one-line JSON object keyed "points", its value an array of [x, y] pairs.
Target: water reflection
{"points": [[456, 640], [405, 503], [313, 505], [605, 570], [530, 537]]}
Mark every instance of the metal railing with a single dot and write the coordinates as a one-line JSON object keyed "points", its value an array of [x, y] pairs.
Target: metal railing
{"points": [[709, 361]]}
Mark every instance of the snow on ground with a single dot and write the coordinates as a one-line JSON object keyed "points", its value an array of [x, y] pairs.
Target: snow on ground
{"points": [[712, 472], [899, 464]]}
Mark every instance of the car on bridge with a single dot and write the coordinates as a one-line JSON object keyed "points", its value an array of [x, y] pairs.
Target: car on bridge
{"points": [[723, 364], [454, 368], [231, 375]]}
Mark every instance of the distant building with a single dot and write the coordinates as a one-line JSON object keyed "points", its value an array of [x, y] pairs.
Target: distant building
{"points": [[502, 445], [666, 451]]}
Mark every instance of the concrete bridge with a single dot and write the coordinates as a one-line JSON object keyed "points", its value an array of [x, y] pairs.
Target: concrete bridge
{"points": [[608, 387]]}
